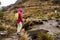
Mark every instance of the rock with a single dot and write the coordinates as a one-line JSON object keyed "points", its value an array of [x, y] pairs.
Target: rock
{"points": [[36, 31], [3, 33], [7, 39], [58, 26], [57, 37]]}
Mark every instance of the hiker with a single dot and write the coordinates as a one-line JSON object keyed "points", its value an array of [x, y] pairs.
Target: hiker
{"points": [[18, 17]]}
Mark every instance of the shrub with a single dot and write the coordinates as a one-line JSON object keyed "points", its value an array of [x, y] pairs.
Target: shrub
{"points": [[45, 36], [56, 2], [2, 28], [1, 14]]}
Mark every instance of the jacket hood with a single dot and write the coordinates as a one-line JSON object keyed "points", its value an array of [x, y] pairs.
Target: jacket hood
{"points": [[20, 10]]}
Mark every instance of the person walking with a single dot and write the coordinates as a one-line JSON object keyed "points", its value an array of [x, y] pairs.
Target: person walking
{"points": [[19, 20]]}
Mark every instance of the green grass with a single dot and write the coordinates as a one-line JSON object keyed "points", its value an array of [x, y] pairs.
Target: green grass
{"points": [[1, 14]]}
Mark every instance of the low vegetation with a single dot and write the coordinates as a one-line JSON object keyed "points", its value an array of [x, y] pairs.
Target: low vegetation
{"points": [[45, 36], [1, 14]]}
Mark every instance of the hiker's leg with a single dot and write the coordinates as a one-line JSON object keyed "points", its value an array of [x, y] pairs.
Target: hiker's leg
{"points": [[19, 27]]}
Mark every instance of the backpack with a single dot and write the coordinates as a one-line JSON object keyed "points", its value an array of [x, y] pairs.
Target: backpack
{"points": [[16, 16]]}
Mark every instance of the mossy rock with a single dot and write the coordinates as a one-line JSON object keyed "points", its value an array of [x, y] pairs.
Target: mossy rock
{"points": [[57, 33]]}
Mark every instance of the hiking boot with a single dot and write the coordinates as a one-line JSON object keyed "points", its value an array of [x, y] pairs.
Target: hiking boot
{"points": [[18, 33]]}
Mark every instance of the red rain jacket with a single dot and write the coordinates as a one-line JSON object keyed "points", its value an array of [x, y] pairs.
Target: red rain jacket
{"points": [[20, 11]]}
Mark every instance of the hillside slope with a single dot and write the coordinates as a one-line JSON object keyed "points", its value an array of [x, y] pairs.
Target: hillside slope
{"points": [[35, 9]]}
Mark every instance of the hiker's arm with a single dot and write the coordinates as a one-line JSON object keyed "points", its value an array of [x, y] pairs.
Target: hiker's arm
{"points": [[21, 17]]}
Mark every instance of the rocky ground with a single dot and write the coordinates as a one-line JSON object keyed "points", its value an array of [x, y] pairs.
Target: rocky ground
{"points": [[50, 25]]}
